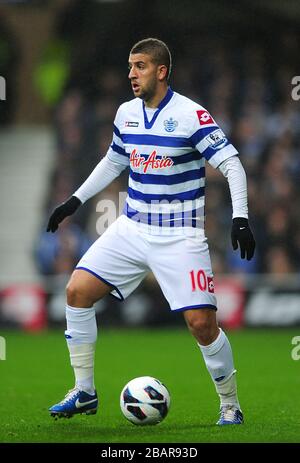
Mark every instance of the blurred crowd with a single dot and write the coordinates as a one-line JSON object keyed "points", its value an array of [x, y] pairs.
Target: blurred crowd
{"points": [[247, 89]]}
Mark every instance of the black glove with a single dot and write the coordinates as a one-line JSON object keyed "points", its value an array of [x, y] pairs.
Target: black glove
{"points": [[242, 235], [62, 211]]}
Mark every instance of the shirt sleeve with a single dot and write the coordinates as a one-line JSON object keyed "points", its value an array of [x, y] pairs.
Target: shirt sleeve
{"points": [[233, 170], [116, 151], [209, 139], [103, 174]]}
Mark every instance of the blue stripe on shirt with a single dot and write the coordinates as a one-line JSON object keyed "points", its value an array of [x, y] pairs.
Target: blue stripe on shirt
{"points": [[187, 157], [117, 131], [210, 152], [156, 140], [171, 219], [148, 198], [181, 159], [118, 149], [200, 134], [156, 179]]}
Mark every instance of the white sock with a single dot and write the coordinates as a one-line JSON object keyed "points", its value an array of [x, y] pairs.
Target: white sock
{"points": [[227, 391], [219, 362], [81, 336]]}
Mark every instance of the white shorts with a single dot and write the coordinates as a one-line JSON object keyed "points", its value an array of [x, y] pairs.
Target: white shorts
{"points": [[124, 254]]}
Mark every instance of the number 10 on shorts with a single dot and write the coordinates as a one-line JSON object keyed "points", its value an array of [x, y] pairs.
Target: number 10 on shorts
{"points": [[201, 282]]}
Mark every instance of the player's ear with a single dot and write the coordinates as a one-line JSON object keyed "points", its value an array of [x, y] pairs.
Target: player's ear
{"points": [[162, 72]]}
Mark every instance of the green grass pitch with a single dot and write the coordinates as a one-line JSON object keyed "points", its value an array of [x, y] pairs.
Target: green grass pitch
{"points": [[36, 374]]}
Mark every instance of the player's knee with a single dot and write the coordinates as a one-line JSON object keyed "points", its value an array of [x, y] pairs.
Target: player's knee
{"points": [[201, 326], [77, 295]]}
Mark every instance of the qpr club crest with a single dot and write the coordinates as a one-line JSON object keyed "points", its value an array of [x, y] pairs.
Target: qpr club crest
{"points": [[170, 124]]}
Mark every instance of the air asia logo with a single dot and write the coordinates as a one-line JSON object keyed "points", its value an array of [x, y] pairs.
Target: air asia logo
{"points": [[136, 161], [204, 117]]}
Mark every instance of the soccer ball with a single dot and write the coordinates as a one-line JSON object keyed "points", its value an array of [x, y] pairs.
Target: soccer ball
{"points": [[145, 400]]}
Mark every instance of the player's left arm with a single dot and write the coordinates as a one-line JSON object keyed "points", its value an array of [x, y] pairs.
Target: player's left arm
{"points": [[209, 139], [241, 234]]}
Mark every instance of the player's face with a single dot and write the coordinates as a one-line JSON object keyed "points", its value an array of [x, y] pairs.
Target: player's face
{"points": [[144, 75]]}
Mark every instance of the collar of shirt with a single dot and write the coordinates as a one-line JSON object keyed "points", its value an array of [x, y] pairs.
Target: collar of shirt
{"points": [[162, 104]]}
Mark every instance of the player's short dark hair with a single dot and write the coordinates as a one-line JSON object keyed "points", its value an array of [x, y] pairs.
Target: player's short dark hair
{"points": [[158, 51]]}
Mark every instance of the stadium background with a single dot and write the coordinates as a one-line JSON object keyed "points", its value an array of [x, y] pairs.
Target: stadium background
{"points": [[65, 67]]}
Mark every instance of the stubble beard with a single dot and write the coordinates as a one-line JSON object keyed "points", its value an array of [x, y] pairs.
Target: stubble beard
{"points": [[148, 93]]}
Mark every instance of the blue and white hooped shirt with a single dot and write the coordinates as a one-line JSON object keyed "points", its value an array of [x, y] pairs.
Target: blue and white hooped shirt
{"points": [[166, 156]]}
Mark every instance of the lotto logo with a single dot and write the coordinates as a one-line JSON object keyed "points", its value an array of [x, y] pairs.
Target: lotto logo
{"points": [[210, 285], [200, 281], [204, 117]]}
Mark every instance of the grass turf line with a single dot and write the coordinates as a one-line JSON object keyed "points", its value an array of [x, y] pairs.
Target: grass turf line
{"points": [[37, 374]]}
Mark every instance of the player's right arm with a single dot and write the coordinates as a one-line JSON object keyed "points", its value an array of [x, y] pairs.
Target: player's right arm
{"points": [[109, 168], [209, 139]]}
